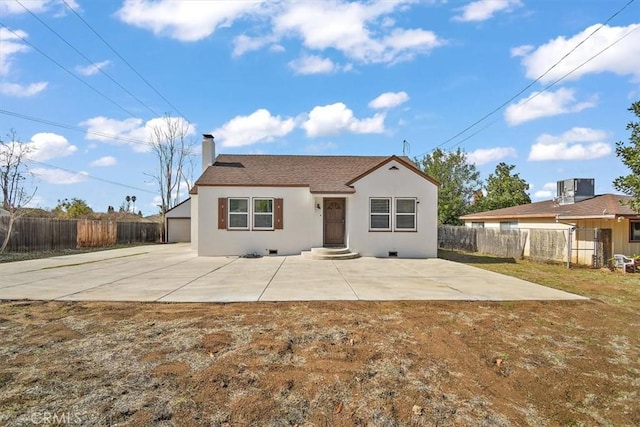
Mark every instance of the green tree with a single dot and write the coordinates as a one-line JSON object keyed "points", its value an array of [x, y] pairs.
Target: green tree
{"points": [[459, 181], [74, 208], [630, 156], [503, 190]]}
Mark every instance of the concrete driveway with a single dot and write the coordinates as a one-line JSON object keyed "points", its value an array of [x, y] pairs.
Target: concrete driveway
{"points": [[172, 273]]}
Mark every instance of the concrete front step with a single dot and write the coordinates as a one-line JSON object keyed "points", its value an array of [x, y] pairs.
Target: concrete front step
{"points": [[330, 253]]}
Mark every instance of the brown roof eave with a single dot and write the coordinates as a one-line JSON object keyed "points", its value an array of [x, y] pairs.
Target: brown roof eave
{"points": [[520, 216]]}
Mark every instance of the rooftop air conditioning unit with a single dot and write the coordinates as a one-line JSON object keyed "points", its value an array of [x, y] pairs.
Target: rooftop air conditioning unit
{"points": [[575, 190]]}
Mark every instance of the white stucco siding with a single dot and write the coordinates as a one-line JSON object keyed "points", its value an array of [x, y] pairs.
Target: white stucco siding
{"points": [[302, 223], [194, 221], [394, 183], [182, 210]]}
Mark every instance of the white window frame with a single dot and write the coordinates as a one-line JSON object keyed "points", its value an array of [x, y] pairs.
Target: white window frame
{"points": [[387, 214], [508, 225], [397, 214], [230, 213], [477, 224], [254, 213]]}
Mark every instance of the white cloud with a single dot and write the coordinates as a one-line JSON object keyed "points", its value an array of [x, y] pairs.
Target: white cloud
{"points": [[356, 30], [545, 104], [312, 64], [547, 192], [389, 100], [133, 132], [22, 91], [482, 156], [46, 146], [575, 144], [521, 50], [185, 20], [104, 162], [92, 69], [337, 118], [8, 7], [481, 10], [59, 176], [361, 31], [621, 58], [243, 44], [11, 45], [259, 126]]}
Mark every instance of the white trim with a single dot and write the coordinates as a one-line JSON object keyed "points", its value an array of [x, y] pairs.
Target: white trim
{"points": [[387, 214], [414, 214], [229, 213], [254, 213]]}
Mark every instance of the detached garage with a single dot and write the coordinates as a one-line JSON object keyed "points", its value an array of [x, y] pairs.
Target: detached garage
{"points": [[178, 222]]}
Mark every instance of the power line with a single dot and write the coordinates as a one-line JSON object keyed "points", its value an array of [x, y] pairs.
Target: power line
{"points": [[125, 61], [74, 128], [87, 59], [85, 174], [504, 104], [550, 85], [68, 71]]}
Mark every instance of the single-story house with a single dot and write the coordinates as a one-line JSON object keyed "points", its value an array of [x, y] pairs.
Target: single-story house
{"points": [[591, 223], [177, 222], [286, 204]]}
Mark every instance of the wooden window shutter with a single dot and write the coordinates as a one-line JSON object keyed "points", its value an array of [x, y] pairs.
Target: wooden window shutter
{"points": [[279, 225], [222, 213]]}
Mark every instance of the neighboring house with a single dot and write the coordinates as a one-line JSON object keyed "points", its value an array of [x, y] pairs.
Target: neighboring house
{"points": [[177, 222], [283, 205], [585, 218], [4, 212]]}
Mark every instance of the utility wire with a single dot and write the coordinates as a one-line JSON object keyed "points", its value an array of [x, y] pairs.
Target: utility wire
{"points": [[69, 72], [87, 59], [74, 128], [92, 177], [504, 104], [550, 85], [125, 61]]}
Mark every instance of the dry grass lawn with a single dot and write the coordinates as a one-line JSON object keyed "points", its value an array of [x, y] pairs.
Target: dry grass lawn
{"points": [[332, 363]]}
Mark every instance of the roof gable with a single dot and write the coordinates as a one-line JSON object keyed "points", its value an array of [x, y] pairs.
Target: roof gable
{"points": [[408, 164], [321, 174]]}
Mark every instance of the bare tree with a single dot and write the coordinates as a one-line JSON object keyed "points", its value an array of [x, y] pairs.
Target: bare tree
{"points": [[13, 177], [172, 148]]}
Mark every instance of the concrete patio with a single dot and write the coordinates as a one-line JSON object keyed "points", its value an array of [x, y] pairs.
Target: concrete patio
{"points": [[173, 273]]}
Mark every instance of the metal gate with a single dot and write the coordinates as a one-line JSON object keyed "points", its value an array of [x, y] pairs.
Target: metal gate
{"points": [[592, 246]]}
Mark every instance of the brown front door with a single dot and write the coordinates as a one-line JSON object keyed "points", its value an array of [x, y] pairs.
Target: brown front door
{"points": [[333, 213]]}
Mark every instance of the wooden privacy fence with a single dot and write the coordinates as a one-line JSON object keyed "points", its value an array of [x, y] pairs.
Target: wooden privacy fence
{"points": [[49, 234], [508, 244]]}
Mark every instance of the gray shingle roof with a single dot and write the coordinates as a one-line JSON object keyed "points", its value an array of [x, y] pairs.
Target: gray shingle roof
{"points": [[322, 174], [605, 205]]}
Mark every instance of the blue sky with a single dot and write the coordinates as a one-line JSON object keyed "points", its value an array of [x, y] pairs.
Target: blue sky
{"points": [[316, 77]]}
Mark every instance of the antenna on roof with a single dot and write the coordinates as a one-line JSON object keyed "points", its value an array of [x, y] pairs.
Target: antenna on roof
{"points": [[406, 148]]}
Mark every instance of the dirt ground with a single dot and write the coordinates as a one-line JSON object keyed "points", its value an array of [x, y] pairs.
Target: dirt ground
{"points": [[331, 363]]}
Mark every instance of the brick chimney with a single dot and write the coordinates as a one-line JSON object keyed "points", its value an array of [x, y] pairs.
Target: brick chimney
{"points": [[208, 151]]}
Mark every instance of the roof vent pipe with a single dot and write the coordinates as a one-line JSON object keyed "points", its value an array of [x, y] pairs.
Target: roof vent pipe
{"points": [[208, 151]]}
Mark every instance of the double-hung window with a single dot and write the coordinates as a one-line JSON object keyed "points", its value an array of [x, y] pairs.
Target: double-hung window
{"points": [[380, 214], [405, 214], [263, 214], [238, 214]]}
